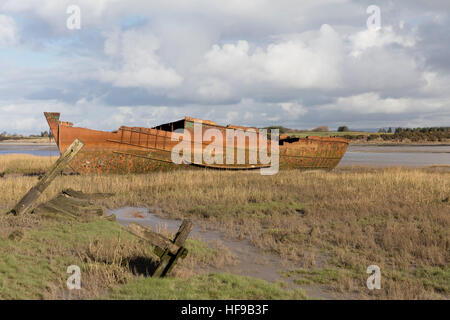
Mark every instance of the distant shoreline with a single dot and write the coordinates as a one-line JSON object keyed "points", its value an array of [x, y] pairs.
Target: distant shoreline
{"points": [[31, 141], [405, 144]]}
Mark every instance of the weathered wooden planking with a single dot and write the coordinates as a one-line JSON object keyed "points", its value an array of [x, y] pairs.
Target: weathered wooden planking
{"points": [[183, 232], [49, 210], [182, 253], [75, 207], [168, 261], [168, 251], [153, 237], [28, 202]]}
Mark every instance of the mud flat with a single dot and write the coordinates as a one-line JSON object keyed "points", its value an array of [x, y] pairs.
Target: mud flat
{"points": [[330, 225], [251, 261]]}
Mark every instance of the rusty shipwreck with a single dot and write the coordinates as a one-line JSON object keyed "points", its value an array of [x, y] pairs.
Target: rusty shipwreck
{"points": [[141, 150]]}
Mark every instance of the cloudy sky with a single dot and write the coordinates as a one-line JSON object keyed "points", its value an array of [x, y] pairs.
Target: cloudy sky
{"points": [[255, 62]]}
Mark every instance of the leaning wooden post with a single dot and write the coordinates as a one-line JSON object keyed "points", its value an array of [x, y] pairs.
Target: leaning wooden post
{"points": [[169, 251], [154, 238], [27, 203], [167, 261]]}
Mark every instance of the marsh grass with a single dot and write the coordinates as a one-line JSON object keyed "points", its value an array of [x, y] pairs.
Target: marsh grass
{"points": [[313, 276], [211, 286], [345, 220], [34, 265], [25, 164]]}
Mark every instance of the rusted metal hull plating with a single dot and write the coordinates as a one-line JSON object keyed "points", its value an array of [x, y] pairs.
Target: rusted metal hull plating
{"points": [[142, 150]]}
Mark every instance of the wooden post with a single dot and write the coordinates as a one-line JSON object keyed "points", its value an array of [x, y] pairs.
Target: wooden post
{"points": [[153, 237], [168, 251], [168, 260], [27, 203]]}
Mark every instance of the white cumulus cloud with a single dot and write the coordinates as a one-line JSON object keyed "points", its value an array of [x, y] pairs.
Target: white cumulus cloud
{"points": [[293, 63], [136, 63], [8, 31], [371, 38]]}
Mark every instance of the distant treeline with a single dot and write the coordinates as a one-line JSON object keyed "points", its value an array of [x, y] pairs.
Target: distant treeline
{"points": [[288, 130], [7, 136], [434, 134], [281, 129]]}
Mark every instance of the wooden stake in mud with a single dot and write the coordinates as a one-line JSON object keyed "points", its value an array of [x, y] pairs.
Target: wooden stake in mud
{"points": [[154, 238], [168, 260], [27, 203], [169, 251]]}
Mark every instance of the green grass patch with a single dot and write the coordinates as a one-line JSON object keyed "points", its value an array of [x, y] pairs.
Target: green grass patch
{"points": [[70, 234], [29, 266], [213, 286], [202, 252], [434, 277], [199, 248]]}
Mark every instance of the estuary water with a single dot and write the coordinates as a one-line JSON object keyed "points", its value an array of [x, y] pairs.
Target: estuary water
{"points": [[43, 150], [396, 155]]}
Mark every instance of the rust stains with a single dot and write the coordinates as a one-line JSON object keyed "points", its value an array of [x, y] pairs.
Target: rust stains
{"points": [[141, 150]]}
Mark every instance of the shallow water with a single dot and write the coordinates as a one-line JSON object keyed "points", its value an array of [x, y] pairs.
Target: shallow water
{"points": [[387, 156], [43, 150], [252, 262]]}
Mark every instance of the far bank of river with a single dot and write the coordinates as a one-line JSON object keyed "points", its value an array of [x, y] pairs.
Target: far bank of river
{"points": [[396, 155], [36, 149]]}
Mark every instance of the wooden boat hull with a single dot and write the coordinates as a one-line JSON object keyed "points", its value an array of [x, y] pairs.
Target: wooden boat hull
{"points": [[143, 150]]}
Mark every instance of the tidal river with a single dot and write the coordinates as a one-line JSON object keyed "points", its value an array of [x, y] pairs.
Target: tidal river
{"points": [[396, 155], [364, 155], [43, 150]]}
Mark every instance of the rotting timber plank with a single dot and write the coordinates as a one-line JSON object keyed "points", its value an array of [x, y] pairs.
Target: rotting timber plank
{"points": [[78, 206], [86, 196], [154, 238], [168, 251], [167, 261], [49, 209], [27, 203]]}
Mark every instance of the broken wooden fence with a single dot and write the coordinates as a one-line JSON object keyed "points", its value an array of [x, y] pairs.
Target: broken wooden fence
{"points": [[168, 250], [71, 203], [28, 202]]}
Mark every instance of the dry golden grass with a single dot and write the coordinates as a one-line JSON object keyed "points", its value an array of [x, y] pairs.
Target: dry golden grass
{"points": [[344, 220], [23, 163]]}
